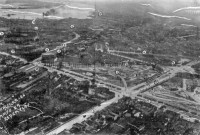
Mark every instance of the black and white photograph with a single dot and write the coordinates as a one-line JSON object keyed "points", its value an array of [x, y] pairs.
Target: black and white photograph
{"points": [[99, 67]]}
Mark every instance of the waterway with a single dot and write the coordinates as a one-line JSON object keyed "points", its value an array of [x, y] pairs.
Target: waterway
{"points": [[66, 10]]}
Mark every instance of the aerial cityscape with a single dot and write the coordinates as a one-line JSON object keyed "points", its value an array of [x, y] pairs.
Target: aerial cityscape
{"points": [[117, 67]]}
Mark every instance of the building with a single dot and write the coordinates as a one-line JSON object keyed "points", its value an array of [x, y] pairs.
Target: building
{"points": [[48, 58], [101, 92]]}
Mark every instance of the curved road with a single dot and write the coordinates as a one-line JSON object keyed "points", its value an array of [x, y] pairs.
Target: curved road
{"points": [[77, 36]]}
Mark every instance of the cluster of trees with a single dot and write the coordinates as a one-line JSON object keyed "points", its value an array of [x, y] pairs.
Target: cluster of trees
{"points": [[2, 87]]}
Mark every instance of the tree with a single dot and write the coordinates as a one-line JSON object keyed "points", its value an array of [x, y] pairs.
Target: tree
{"points": [[2, 87], [60, 64], [85, 86]]}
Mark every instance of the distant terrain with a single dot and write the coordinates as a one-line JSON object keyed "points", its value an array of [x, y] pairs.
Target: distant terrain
{"points": [[26, 9], [32, 3]]}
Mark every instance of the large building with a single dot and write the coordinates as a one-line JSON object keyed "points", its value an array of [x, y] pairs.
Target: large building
{"points": [[48, 58], [101, 92]]}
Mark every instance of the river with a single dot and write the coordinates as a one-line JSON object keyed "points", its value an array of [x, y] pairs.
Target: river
{"points": [[65, 10]]}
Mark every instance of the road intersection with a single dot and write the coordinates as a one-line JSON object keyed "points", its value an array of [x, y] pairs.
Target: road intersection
{"points": [[132, 92]]}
